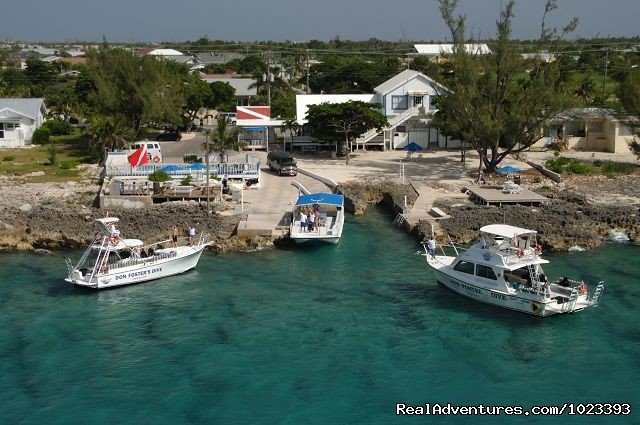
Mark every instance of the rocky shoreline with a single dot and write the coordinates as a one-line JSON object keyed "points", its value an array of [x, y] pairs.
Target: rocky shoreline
{"points": [[569, 219]]}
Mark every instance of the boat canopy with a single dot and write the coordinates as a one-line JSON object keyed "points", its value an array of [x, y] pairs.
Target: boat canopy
{"points": [[106, 221], [506, 230], [320, 198]]}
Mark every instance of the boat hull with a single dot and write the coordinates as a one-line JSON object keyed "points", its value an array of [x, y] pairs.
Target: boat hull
{"points": [[522, 302], [151, 269], [320, 239]]}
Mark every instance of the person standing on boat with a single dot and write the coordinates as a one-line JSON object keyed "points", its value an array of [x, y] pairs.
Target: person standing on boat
{"points": [[192, 234], [312, 220], [174, 235], [303, 220], [431, 247]]}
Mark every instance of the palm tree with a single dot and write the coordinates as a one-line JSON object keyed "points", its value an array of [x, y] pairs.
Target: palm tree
{"points": [[291, 125], [223, 138], [586, 89], [107, 132]]}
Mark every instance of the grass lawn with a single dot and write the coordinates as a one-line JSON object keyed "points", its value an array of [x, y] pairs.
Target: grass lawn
{"points": [[70, 151]]}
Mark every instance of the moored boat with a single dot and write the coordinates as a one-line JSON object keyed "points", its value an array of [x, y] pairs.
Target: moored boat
{"points": [[504, 268], [323, 215], [111, 260]]}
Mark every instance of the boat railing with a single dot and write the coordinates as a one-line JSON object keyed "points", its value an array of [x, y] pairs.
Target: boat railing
{"points": [[115, 264]]}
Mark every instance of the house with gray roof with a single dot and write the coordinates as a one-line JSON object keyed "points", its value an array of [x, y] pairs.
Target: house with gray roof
{"points": [[589, 129], [19, 118]]}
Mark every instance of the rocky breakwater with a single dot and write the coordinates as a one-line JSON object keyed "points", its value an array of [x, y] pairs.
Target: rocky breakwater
{"points": [[567, 220], [57, 225], [375, 190]]}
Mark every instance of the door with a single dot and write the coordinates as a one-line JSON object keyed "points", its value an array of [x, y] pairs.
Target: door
{"points": [[417, 101]]}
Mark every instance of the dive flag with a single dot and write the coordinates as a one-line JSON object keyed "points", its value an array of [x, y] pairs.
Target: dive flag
{"points": [[139, 156]]}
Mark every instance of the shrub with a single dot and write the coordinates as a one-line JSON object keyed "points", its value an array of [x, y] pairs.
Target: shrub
{"points": [[186, 181], [159, 176], [41, 136], [537, 179], [577, 167], [558, 164], [58, 127], [52, 153], [610, 167], [191, 159], [68, 164], [9, 158], [597, 163]]}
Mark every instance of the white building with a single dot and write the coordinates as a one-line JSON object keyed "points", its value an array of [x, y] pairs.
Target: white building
{"points": [[19, 118], [410, 94]]}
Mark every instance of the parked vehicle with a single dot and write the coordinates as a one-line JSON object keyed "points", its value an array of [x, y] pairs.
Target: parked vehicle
{"points": [[282, 162], [169, 135], [230, 117], [154, 152]]}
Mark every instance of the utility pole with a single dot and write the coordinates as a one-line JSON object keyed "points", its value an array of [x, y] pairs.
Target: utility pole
{"points": [[604, 82], [206, 142], [307, 71]]}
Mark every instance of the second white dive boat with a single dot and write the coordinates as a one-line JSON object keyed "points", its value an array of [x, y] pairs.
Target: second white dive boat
{"points": [[504, 267]]}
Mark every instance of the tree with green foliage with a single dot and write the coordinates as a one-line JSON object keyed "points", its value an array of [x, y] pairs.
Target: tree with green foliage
{"points": [[141, 89], [223, 138], [629, 95], [342, 123], [223, 96], [351, 74], [41, 75], [492, 102], [197, 96], [108, 133], [291, 125]]}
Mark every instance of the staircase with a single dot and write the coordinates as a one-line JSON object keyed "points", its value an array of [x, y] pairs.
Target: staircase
{"points": [[370, 136]]}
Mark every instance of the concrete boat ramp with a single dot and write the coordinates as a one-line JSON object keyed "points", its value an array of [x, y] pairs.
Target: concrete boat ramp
{"points": [[268, 209]]}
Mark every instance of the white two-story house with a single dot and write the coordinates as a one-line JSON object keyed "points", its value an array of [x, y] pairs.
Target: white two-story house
{"points": [[410, 94], [19, 118]]}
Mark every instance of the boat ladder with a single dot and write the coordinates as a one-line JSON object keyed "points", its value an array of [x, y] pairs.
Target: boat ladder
{"points": [[69, 266], [594, 298], [569, 305], [399, 220]]}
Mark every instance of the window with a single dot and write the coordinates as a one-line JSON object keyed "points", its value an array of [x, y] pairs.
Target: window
{"points": [[464, 267], [400, 102], [432, 102], [1, 130], [486, 272]]}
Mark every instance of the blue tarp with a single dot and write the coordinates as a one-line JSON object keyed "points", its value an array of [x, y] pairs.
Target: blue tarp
{"points": [[508, 169], [320, 198], [413, 147], [197, 166], [170, 168]]}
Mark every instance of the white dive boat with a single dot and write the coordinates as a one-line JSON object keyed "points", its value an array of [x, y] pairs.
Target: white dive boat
{"points": [[111, 260], [330, 218], [504, 267]]}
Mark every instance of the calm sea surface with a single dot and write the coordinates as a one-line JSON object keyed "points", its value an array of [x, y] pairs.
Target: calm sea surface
{"points": [[335, 334]]}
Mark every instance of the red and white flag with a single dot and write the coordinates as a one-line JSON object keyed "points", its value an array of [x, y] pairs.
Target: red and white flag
{"points": [[139, 156]]}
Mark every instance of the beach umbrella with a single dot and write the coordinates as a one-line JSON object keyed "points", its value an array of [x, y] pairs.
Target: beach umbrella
{"points": [[508, 169], [170, 168], [413, 147]]}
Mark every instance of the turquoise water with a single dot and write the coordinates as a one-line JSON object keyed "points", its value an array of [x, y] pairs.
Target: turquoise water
{"points": [[335, 334]]}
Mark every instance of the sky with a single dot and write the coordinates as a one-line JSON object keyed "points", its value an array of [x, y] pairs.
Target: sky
{"points": [[296, 20]]}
